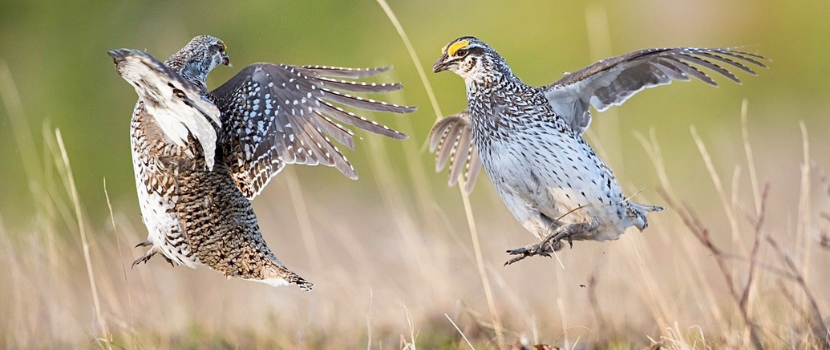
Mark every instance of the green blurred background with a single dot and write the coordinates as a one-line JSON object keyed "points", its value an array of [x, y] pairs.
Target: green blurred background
{"points": [[56, 53]]}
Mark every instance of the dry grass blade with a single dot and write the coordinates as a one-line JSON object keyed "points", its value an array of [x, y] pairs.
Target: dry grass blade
{"points": [[805, 226], [411, 343], [824, 237], [14, 108], [414, 56], [460, 332], [123, 268], [102, 325], [728, 209], [690, 219], [750, 160], [816, 320], [465, 198], [753, 263], [369, 320], [485, 280], [652, 148]]}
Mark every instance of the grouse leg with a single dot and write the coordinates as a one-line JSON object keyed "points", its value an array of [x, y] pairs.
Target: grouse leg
{"points": [[551, 242]]}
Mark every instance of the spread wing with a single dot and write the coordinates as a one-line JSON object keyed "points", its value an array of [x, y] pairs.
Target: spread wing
{"points": [[452, 140], [176, 104], [612, 81], [273, 115], [608, 82]]}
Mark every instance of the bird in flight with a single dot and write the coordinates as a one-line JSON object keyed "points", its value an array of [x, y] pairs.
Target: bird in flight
{"points": [[201, 156], [529, 139]]}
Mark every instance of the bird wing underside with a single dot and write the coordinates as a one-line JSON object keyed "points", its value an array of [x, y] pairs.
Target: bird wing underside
{"points": [[273, 115], [175, 103], [612, 81], [451, 139]]}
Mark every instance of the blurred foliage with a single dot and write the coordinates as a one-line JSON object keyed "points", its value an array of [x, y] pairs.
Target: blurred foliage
{"points": [[56, 52]]}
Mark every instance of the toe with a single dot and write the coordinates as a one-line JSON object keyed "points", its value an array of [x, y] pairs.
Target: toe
{"points": [[520, 251]]}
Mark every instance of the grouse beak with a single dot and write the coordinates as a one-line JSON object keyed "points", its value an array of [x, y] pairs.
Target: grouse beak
{"points": [[117, 56], [441, 65], [226, 61]]}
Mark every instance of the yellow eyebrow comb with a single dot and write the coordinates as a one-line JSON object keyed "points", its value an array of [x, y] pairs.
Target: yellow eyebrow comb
{"points": [[457, 46]]}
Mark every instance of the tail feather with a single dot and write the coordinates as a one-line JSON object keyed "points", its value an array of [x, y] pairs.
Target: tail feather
{"points": [[277, 275], [646, 207], [637, 213]]}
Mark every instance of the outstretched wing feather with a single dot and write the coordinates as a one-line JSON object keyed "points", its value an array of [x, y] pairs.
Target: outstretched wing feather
{"points": [[612, 81], [275, 115]]}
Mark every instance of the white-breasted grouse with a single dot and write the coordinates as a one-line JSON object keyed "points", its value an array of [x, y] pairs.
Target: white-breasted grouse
{"points": [[529, 139], [200, 157]]}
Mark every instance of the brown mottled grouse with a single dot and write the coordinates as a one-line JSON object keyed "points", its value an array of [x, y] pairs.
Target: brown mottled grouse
{"points": [[200, 157]]}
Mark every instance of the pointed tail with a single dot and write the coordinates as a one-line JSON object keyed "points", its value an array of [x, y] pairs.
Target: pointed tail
{"points": [[277, 275], [637, 213]]}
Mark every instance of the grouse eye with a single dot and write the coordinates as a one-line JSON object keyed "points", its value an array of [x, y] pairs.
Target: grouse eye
{"points": [[461, 53], [221, 47]]}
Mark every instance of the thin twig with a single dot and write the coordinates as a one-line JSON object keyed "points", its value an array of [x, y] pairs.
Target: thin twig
{"points": [[699, 231], [743, 303], [755, 245], [766, 267], [816, 320], [728, 210]]}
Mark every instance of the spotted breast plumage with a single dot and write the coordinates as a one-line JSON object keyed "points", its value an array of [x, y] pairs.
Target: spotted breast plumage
{"points": [[529, 139], [200, 157]]}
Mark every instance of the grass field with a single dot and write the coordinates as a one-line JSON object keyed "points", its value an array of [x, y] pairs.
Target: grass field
{"points": [[739, 260]]}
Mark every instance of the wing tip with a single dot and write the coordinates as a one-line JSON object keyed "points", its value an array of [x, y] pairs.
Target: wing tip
{"points": [[116, 54], [399, 136], [408, 109]]}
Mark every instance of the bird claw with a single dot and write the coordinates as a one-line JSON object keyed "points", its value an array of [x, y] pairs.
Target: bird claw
{"points": [[143, 259], [548, 245], [150, 253], [542, 249]]}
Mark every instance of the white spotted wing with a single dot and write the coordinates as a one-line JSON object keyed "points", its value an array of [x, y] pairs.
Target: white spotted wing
{"points": [[274, 114]]}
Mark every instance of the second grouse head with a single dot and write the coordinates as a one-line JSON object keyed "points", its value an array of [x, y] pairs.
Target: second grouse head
{"points": [[201, 55], [472, 60]]}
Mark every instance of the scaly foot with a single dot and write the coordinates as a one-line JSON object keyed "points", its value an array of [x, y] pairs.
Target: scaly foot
{"points": [[551, 243]]}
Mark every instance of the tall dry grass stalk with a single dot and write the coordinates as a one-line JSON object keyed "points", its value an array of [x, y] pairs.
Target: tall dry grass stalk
{"points": [[468, 211], [22, 134], [96, 304]]}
